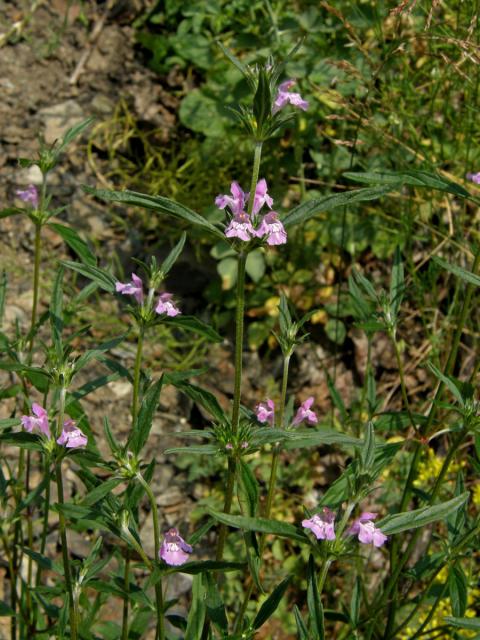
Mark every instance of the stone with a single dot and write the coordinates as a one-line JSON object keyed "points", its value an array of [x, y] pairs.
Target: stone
{"points": [[59, 118]]}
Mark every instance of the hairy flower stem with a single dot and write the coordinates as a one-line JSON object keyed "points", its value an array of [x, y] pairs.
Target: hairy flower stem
{"points": [[36, 282], [271, 486], [136, 374], [257, 156], [66, 559], [135, 396], [160, 633]]}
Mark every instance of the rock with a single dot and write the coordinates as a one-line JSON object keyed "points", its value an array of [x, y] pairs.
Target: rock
{"points": [[59, 118]]}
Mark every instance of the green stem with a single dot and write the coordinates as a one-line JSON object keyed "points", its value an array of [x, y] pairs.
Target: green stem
{"points": [[126, 588], [66, 559], [36, 282], [257, 156], [276, 454], [136, 374], [160, 634], [237, 390]]}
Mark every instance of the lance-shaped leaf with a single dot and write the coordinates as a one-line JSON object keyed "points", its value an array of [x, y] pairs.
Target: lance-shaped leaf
{"points": [[397, 283], [203, 566], [56, 314], [309, 438], [144, 421], [262, 525], [270, 605], [463, 274], [214, 603], [201, 396], [196, 614], [309, 209], [75, 242], [315, 608], [23, 440], [191, 323], [173, 256], [414, 178], [301, 626], [101, 277], [421, 517], [156, 203], [464, 623], [458, 590], [73, 132]]}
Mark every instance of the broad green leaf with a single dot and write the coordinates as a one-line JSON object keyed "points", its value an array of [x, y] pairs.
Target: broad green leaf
{"points": [[75, 242], [336, 330], [282, 529], [394, 524], [173, 256], [101, 277], [191, 323], [144, 421], [314, 438], [309, 209], [255, 265], [157, 203], [315, 608], [270, 605], [414, 178]]}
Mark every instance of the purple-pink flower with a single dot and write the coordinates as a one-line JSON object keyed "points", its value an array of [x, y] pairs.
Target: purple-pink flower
{"points": [[236, 201], [265, 411], [474, 177], [273, 229], [321, 525], [165, 305], [240, 227], [29, 195], [367, 532], [133, 288], [39, 421], [305, 413], [261, 197], [174, 549], [284, 97], [72, 437]]}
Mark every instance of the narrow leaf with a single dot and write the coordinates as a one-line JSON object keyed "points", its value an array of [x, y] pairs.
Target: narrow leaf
{"points": [[75, 242], [270, 605], [315, 608], [282, 529], [463, 274], [173, 255], [144, 421]]}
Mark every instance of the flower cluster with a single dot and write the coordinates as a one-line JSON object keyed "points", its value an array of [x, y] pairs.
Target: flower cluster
{"points": [[322, 526], [71, 437], [474, 177], [265, 412], [135, 288], [246, 227]]}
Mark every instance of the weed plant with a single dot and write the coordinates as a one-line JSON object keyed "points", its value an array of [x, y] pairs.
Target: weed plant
{"points": [[388, 550]]}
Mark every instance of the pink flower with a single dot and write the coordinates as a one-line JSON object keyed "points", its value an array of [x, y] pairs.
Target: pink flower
{"points": [[285, 97], [174, 549], [38, 421], [72, 437], [273, 229], [236, 201], [30, 195], [366, 531], [261, 197], [229, 446], [132, 288], [165, 305], [305, 413], [474, 177], [244, 445], [265, 411], [240, 227], [321, 525]]}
